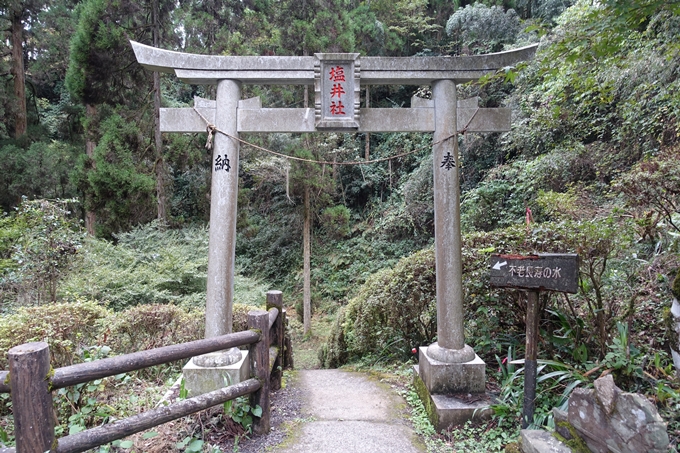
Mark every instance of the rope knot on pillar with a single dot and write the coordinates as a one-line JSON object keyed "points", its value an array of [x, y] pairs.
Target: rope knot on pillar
{"points": [[211, 128]]}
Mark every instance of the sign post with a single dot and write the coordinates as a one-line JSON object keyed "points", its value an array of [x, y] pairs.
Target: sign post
{"points": [[530, 357], [550, 272]]}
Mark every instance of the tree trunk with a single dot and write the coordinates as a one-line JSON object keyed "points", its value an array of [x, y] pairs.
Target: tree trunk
{"points": [[90, 217], [306, 272], [306, 249], [17, 70], [161, 197]]}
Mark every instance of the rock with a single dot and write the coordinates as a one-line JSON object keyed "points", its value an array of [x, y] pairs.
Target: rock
{"points": [[539, 441], [675, 308], [589, 419], [561, 421], [610, 420], [639, 425], [607, 392], [218, 359]]}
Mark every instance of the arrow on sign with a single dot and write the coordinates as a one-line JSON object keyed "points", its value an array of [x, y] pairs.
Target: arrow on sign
{"points": [[499, 265]]}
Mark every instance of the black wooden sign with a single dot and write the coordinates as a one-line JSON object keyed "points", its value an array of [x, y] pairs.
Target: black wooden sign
{"points": [[545, 271]]}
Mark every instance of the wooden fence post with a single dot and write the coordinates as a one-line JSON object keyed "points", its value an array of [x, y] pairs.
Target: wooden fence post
{"points": [[259, 368], [275, 300], [29, 369], [287, 345]]}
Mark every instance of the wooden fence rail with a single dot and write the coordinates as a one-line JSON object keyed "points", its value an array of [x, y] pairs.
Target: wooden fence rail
{"points": [[30, 382]]}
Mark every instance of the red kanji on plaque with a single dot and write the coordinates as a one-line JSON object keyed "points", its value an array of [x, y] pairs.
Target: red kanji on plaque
{"points": [[337, 74], [337, 109], [336, 81], [337, 90]]}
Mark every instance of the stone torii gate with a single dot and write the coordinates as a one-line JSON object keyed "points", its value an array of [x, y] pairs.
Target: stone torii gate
{"points": [[448, 365]]}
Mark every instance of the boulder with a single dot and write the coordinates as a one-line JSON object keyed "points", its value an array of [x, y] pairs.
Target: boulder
{"points": [[539, 441], [609, 420]]}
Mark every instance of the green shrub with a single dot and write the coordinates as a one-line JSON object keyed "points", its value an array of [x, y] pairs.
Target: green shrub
{"points": [[333, 353], [70, 328], [66, 327], [152, 326], [395, 309], [652, 190], [151, 266], [501, 199], [36, 169], [240, 315], [418, 194], [347, 264], [11, 228], [335, 220], [483, 29], [40, 240], [146, 266]]}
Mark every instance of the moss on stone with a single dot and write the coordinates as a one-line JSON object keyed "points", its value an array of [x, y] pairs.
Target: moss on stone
{"points": [[669, 325], [513, 447], [424, 396], [675, 286], [576, 443]]}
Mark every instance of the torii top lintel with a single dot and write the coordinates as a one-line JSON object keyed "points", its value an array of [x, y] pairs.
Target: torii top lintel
{"points": [[275, 70]]}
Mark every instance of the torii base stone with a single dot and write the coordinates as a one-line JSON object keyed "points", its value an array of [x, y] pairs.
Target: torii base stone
{"points": [[452, 393], [204, 379]]}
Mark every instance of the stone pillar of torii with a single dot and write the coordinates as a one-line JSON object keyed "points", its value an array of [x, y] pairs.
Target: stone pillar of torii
{"points": [[337, 79]]}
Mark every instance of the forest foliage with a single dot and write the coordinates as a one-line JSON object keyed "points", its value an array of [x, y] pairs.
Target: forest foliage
{"points": [[590, 166]]}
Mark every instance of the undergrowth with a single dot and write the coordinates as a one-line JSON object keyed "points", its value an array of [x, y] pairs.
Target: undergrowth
{"points": [[149, 265], [473, 437]]}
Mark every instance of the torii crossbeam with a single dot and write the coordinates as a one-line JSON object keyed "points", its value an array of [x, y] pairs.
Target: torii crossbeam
{"points": [[337, 79]]}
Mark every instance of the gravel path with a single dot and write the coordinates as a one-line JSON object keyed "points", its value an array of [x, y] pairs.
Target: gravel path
{"points": [[286, 406]]}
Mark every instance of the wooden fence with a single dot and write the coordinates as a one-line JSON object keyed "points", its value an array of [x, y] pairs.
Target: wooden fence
{"points": [[31, 380]]}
